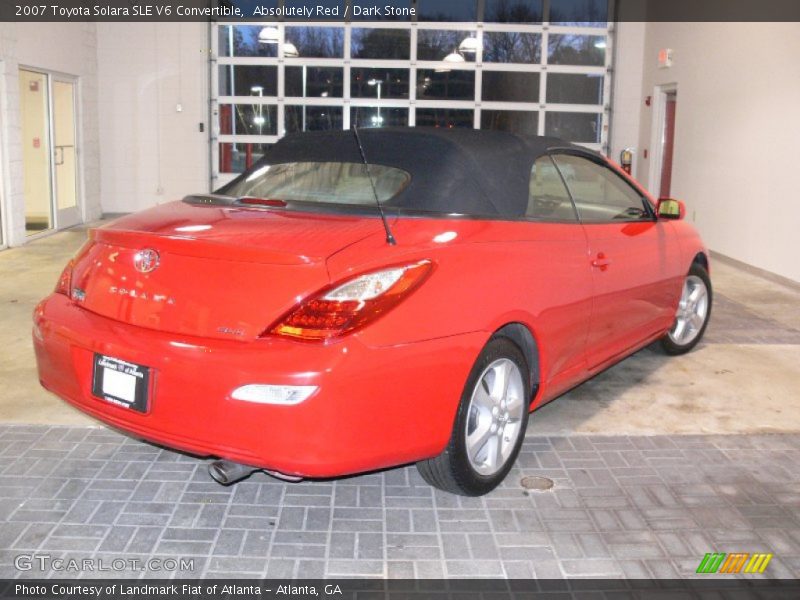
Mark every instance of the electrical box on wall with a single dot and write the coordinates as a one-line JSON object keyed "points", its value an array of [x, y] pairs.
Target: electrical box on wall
{"points": [[665, 58]]}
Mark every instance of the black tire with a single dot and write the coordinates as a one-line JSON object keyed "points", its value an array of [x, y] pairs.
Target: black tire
{"points": [[668, 344], [452, 470]]}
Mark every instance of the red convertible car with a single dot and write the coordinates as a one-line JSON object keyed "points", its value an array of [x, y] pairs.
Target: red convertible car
{"points": [[361, 300]]}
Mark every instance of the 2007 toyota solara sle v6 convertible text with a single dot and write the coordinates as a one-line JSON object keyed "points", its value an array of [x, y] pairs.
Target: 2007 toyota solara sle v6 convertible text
{"points": [[364, 299]]}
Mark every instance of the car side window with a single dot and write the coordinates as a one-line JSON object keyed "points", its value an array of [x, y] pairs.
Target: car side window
{"points": [[600, 195], [548, 199]]}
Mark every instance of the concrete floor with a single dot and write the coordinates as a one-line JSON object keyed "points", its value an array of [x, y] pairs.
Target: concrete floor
{"points": [[743, 378]]}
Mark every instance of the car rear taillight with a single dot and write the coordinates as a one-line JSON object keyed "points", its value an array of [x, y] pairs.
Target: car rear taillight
{"points": [[64, 284], [351, 305]]}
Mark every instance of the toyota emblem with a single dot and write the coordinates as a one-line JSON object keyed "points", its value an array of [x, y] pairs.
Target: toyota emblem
{"points": [[146, 260]]}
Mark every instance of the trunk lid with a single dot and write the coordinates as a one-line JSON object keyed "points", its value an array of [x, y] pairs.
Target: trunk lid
{"points": [[211, 271]]}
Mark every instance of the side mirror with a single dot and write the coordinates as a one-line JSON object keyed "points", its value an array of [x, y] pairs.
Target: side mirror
{"points": [[669, 208]]}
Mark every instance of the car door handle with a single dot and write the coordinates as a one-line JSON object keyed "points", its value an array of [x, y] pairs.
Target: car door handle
{"points": [[601, 262]]}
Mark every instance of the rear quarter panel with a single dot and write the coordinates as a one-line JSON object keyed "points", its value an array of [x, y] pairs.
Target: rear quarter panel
{"points": [[487, 274]]}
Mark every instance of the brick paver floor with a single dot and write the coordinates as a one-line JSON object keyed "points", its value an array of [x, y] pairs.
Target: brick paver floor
{"points": [[621, 506]]}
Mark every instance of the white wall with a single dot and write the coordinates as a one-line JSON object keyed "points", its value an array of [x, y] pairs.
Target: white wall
{"points": [[150, 152], [68, 48], [737, 128], [626, 95]]}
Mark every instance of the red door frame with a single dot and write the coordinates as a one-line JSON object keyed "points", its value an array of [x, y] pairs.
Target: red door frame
{"points": [[668, 145]]}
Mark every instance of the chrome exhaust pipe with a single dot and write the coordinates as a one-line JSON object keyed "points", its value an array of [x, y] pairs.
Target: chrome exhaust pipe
{"points": [[226, 472]]}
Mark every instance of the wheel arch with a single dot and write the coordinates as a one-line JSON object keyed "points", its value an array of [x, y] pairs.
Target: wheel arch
{"points": [[522, 336], [701, 259]]}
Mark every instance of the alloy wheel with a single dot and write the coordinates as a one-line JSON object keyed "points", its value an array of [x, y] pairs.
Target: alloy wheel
{"points": [[692, 311], [494, 421]]}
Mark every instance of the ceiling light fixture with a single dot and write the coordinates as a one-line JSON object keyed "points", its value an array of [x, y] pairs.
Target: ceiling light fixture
{"points": [[290, 50], [269, 35], [469, 45], [453, 58]]}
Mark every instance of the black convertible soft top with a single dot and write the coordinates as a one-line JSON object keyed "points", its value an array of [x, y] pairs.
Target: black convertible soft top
{"points": [[453, 171]]}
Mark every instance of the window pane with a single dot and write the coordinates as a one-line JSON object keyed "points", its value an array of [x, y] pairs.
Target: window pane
{"points": [[237, 157], [248, 119], [515, 121], [313, 118], [445, 117], [436, 44], [447, 10], [574, 127], [315, 42], [501, 86], [574, 89], [329, 182], [314, 82], [246, 80], [585, 13], [513, 11], [548, 199], [448, 85], [243, 40], [372, 116], [588, 50], [381, 43], [393, 83], [512, 47], [600, 194]]}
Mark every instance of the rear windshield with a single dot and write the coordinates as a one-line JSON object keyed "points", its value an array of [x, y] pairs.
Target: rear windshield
{"points": [[327, 182]]}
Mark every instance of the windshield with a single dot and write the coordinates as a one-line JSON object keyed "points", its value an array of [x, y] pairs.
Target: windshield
{"points": [[328, 182]]}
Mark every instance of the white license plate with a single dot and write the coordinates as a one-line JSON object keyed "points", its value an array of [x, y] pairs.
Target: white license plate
{"points": [[121, 382]]}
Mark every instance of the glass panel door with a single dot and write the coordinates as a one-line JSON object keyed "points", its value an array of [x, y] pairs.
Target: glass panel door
{"points": [[49, 153], [35, 116], [65, 154]]}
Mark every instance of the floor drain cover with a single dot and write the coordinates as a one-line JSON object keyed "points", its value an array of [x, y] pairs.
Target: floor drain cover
{"points": [[539, 484]]}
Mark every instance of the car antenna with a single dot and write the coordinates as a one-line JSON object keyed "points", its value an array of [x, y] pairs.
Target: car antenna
{"points": [[389, 237]]}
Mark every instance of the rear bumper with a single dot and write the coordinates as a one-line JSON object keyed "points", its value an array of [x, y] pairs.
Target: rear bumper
{"points": [[375, 407]]}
